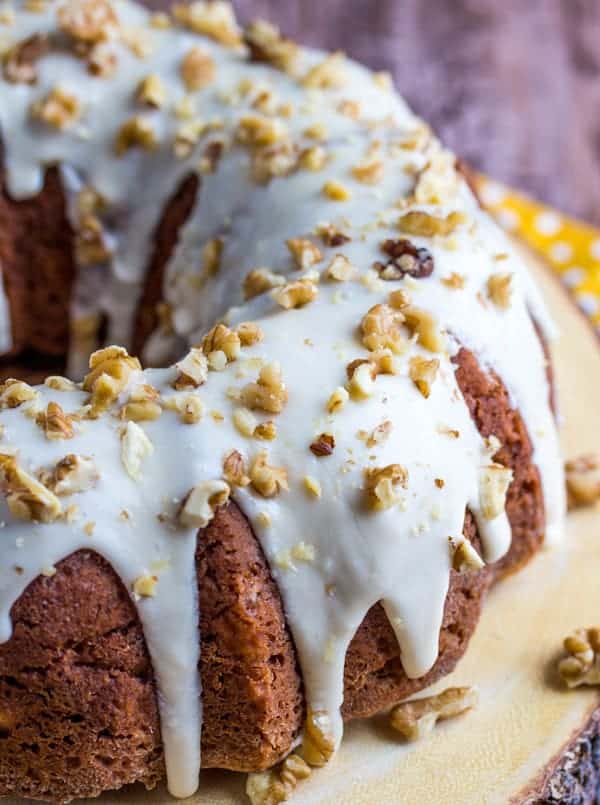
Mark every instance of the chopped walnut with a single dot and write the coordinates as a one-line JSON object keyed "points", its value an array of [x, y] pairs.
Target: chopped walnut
{"points": [[215, 19], [145, 586], [499, 287], [136, 447], [323, 445], [328, 74], [380, 328], [494, 481], [58, 383], [454, 280], [144, 410], [58, 109], [312, 486], [152, 91], [16, 392], [464, 556], [211, 156], [192, 370], [340, 269], [199, 506], [380, 434], [222, 339], [189, 407], [211, 257], [336, 191], [425, 327], [426, 225], [72, 474], [381, 485], [405, 259], [583, 481], [351, 109], [249, 333], [361, 376], [197, 69], [268, 394], [235, 470], [337, 400], [267, 431], [369, 171], [54, 421], [110, 370], [244, 421], [304, 252], [88, 21], [295, 294], [267, 480], [266, 44], [331, 236], [416, 718], [313, 158], [423, 373], [27, 498], [260, 280], [90, 245], [279, 159], [20, 63], [102, 61], [137, 132], [276, 785], [582, 665], [257, 132], [318, 745]]}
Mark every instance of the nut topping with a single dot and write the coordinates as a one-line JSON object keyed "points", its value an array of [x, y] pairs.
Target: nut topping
{"points": [[304, 252], [493, 486], [152, 92], [215, 19], [583, 481], [56, 424], [337, 400], [499, 288], [265, 43], [15, 392], [423, 373], [381, 485], [260, 280], [582, 665], [73, 474], [234, 469], [340, 269], [268, 394], [58, 109], [199, 506], [464, 556], [137, 132], [425, 327], [20, 63], [136, 447], [88, 21], [380, 329], [405, 259], [415, 719], [267, 480], [295, 294], [197, 69], [323, 445], [317, 745], [192, 370], [426, 225], [276, 785], [222, 339], [27, 498]]}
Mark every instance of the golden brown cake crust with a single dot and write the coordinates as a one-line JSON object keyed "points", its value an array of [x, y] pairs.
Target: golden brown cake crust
{"points": [[78, 710]]}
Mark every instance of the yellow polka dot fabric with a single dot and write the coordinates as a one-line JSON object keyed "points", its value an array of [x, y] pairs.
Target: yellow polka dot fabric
{"points": [[570, 247]]}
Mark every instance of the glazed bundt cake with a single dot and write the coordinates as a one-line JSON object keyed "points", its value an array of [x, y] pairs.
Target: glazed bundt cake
{"points": [[296, 521]]}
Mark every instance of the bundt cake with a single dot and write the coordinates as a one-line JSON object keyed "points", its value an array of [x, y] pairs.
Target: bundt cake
{"points": [[296, 521]]}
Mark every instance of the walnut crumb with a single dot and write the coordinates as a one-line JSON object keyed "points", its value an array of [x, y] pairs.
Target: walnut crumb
{"points": [[221, 339], [499, 287], [581, 666], [340, 269], [197, 69], [454, 281], [260, 280], [152, 92], [381, 484], [423, 373], [336, 190], [88, 21], [583, 481], [235, 470], [464, 556], [312, 486], [416, 718], [198, 508], [337, 400], [266, 479], [136, 447], [323, 445], [26, 497], [55, 423], [20, 62], [145, 586], [137, 132], [268, 393], [59, 109], [72, 474], [295, 294], [494, 481], [426, 225], [192, 370], [212, 18], [380, 328], [304, 252], [277, 785]]}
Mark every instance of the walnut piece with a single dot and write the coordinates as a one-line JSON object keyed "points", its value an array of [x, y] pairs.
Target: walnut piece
{"points": [[276, 785], [235, 471], [267, 480], [20, 63], [328, 74], [192, 370], [337, 400], [583, 481], [304, 252], [137, 132], [58, 109], [295, 294], [16, 392], [380, 329], [265, 43], [152, 91], [381, 485], [318, 745], [406, 259], [54, 421], [110, 371], [260, 280], [464, 555], [340, 269], [88, 21], [416, 718], [222, 339], [499, 287], [425, 326], [361, 377], [336, 190], [73, 474], [423, 373], [199, 506], [27, 498], [212, 18], [268, 393], [581, 666], [136, 447], [426, 225], [197, 69], [323, 445], [494, 481]]}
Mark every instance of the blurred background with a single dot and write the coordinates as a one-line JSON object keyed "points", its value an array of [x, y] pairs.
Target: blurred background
{"points": [[513, 86]]}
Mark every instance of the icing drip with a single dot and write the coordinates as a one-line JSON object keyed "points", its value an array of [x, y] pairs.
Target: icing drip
{"points": [[338, 536]]}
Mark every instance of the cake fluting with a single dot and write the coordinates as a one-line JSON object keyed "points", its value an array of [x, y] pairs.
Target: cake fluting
{"points": [[359, 446]]}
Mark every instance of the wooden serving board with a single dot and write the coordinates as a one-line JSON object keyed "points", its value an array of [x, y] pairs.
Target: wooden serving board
{"points": [[525, 721]]}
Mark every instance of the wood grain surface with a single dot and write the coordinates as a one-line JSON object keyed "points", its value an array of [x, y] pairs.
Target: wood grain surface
{"points": [[512, 86]]}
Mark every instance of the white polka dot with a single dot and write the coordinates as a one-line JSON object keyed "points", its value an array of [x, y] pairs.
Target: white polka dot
{"points": [[547, 223], [595, 249], [492, 193], [508, 219], [588, 303], [561, 251], [573, 277]]}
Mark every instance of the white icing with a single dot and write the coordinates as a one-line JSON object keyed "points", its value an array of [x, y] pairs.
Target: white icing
{"points": [[355, 557]]}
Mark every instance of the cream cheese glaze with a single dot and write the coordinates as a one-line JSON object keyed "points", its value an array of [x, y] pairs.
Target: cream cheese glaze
{"points": [[335, 546]]}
